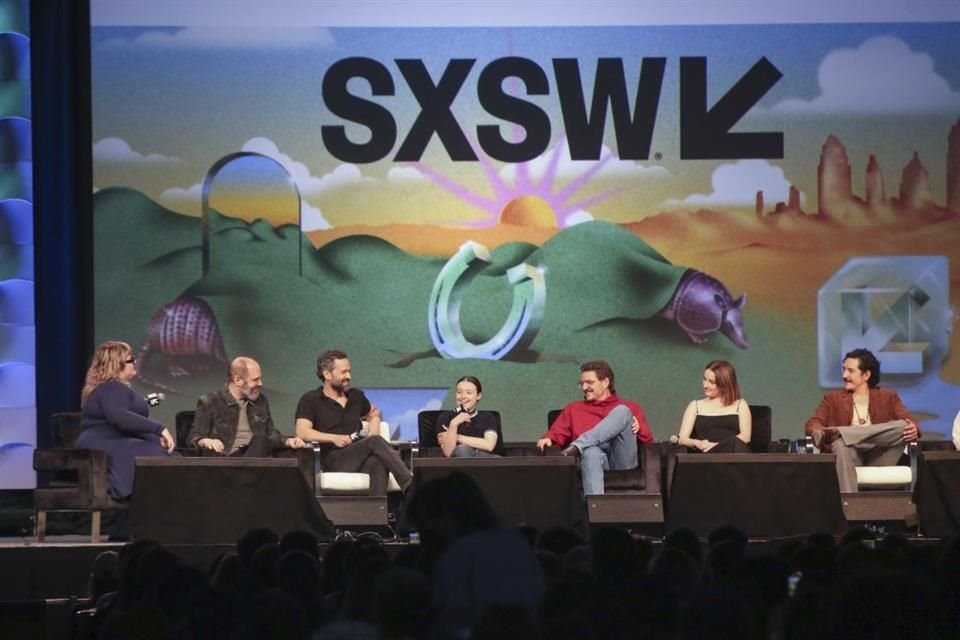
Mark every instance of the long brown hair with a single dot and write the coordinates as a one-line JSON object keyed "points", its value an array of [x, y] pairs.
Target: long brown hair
{"points": [[107, 363], [726, 377]]}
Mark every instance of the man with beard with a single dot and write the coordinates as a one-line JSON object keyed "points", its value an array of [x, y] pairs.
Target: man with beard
{"points": [[602, 430], [347, 427], [236, 421], [862, 424]]}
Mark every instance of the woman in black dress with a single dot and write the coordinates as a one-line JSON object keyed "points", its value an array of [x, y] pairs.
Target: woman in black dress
{"points": [[720, 422]]}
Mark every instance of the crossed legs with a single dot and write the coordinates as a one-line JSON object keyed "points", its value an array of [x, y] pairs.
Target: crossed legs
{"points": [[373, 456], [875, 445], [611, 444]]}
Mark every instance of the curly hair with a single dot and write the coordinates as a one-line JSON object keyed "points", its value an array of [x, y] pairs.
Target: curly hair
{"points": [[107, 363]]}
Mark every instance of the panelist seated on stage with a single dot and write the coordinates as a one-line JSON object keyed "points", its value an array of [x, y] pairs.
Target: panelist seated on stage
{"points": [[468, 432], [862, 424], [720, 422], [116, 419], [236, 420], [334, 415], [602, 429]]}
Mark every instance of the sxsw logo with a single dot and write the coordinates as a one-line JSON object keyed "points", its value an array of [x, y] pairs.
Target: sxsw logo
{"points": [[704, 130]]}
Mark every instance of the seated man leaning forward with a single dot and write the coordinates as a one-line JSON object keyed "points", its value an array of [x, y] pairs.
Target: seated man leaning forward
{"points": [[333, 415], [236, 421], [602, 429], [862, 424]]}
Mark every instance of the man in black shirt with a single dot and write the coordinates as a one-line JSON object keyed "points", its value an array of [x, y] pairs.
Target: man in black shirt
{"points": [[334, 416]]}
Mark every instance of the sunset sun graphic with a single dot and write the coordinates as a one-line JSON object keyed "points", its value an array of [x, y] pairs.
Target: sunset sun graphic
{"points": [[533, 193]]}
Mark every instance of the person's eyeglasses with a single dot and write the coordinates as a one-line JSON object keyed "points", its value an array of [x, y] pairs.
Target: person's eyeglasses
{"points": [[131, 360]]}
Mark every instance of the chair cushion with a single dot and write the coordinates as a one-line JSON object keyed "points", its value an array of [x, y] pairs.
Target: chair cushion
{"points": [[343, 481], [894, 476], [350, 482]]}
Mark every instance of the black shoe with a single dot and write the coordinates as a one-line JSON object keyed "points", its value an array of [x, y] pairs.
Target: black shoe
{"points": [[570, 451]]}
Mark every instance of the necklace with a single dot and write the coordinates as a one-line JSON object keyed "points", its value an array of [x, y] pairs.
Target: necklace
{"points": [[860, 419]]}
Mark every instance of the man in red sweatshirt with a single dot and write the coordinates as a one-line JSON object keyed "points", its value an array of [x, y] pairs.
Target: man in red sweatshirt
{"points": [[602, 430]]}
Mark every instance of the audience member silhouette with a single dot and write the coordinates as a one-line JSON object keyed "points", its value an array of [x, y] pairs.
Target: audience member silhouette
{"points": [[489, 582]]}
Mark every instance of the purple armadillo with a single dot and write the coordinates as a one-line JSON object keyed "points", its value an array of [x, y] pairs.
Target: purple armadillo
{"points": [[183, 331], [702, 305]]}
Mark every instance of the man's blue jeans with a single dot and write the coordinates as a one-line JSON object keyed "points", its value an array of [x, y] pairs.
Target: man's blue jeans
{"points": [[611, 444]]}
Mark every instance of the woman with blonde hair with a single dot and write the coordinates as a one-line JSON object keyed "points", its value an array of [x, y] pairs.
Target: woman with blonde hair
{"points": [[116, 419], [720, 422]]}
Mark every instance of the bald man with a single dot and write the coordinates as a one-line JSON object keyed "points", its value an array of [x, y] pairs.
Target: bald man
{"points": [[236, 421]]}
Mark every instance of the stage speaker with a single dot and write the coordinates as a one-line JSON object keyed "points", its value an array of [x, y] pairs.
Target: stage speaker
{"points": [[765, 495], [217, 500], [543, 491], [936, 494]]}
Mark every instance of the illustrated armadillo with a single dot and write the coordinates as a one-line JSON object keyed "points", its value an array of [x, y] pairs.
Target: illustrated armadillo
{"points": [[701, 305], [185, 332]]}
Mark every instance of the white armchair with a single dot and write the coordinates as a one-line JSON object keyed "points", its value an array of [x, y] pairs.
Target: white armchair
{"points": [[348, 483], [890, 477], [956, 431]]}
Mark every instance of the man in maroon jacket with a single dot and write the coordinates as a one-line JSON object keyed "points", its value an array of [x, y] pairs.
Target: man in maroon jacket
{"points": [[601, 429], [862, 424]]}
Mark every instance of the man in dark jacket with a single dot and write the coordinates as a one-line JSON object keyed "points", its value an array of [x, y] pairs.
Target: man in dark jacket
{"points": [[236, 421]]}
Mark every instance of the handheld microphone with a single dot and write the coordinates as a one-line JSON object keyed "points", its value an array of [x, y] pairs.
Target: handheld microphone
{"points": [[459, 408], [153, 399], [674, 440], [357, 435]]}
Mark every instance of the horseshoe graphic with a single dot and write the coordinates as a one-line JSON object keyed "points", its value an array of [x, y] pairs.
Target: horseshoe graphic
{"points": [[522, 323]]}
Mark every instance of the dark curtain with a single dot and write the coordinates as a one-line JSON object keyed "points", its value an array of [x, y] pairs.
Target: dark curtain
{"points": [[60, 71]]}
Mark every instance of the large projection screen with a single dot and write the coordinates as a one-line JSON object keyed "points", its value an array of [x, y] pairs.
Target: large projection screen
{"points": [[510, 189]]}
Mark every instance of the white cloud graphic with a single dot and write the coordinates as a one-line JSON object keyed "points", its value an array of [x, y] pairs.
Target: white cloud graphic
{"points": [[311, 218], [117, 150], [882, 76], [252, 37], [568, 168], [183, 200], [577, 217], [405, 175], [344, 175], [737, 184]]}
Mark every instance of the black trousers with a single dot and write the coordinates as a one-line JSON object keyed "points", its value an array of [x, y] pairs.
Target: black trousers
{"points": [[258, 447], [373, 456]]}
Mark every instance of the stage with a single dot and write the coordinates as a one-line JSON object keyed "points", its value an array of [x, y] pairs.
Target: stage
{"points": [[771, 497]]}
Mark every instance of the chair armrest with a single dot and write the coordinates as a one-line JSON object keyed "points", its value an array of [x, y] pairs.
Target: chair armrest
{"points": [[913, 453], [654, 469], [80, 460], [91, 484], [528, 448], [936, 445]]}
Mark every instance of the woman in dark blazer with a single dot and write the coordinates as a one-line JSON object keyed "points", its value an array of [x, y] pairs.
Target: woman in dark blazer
{"points": [[116, 419]]}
